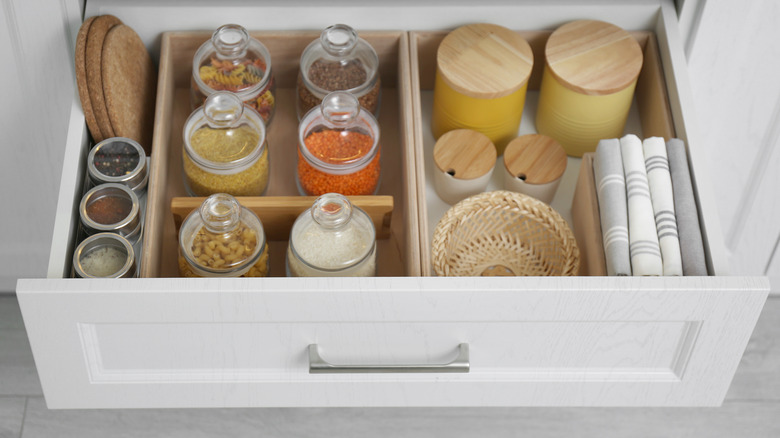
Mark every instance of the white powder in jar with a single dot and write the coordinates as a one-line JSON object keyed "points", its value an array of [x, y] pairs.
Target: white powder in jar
{"points": [[103, 261], [328, 250]]}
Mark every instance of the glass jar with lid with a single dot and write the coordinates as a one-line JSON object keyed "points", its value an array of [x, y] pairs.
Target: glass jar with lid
{"points": [[225, 148], [332, 238], [222, 239], [338, 148], [233, 61], [104, 255], [339, 60]]}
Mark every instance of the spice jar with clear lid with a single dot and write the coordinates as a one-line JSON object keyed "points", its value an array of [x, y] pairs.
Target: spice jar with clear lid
{"points": [[119, 160], [114, 208], [222, 239], [225, 148], [233, 61], [339, 60], [104, 255], [332, 238], [338, 148]]}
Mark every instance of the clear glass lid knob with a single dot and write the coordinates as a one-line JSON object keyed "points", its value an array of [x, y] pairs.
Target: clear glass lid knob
{"points": [[340, 108], [339, 39], [331, 211], [223, 109], [220, 213], [230, 40]]}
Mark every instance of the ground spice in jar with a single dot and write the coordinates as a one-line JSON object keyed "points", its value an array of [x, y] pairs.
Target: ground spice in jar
{"points": [[338, 147], [334, 76], [116, 159], [103, 261], [108, 210]]}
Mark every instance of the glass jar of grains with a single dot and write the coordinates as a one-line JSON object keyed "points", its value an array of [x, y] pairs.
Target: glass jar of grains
{"points": [[222, 239], [225, 148], [233, 61], [339, 60], [332, 238], [338, 148]]}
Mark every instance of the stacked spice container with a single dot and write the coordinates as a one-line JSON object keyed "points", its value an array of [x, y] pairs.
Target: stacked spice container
{"points": [[338, 148]]}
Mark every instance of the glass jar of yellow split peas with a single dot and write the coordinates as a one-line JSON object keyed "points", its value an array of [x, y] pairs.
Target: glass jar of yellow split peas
{"points": [[222, 239], [225, 149], [233, 61]]}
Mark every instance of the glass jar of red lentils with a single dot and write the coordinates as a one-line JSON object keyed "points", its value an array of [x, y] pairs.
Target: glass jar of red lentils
{"points": [[234, 61], [222, 239], [338, 148]]}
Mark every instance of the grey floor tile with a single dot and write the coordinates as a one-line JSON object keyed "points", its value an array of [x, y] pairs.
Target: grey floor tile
{"points": [[18, 376], [11, 416], [758, 375], [737, 419]]}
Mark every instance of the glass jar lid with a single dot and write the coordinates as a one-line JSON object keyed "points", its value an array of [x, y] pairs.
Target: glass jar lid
{"points": [[224, 135], [221, 238], [339, 60], [118, 160], [333, 234], [339, 136], [232, 60]]}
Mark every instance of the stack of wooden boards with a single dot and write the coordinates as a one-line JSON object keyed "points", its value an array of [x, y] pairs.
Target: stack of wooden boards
{"points": [[117, 81]]}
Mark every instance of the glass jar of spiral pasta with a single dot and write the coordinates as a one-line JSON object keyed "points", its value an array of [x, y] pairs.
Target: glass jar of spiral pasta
{"points": [[222, 239], [339, 61], [332, 238], [225, 148], [233, 61]]}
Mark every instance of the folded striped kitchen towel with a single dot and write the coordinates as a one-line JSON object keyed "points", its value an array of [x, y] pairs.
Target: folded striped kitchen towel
{"points": [[643, 239], [660, 181], [691, 244], [611, 193]]}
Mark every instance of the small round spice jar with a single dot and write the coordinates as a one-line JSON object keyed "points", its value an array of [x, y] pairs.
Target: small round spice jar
{"points": [[112, 208], [332, 238], [104, 255], [588, 84], [118, 160], [222, 239], [339, 61], [233, 61], [534, 165], [338, 148], [464, 163], [482, 73], [225, 149]]}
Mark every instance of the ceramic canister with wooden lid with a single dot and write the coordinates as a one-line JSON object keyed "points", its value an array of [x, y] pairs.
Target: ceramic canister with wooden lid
{"points": [[588, 84], [482, 75], [534, 165], [464, 162]]}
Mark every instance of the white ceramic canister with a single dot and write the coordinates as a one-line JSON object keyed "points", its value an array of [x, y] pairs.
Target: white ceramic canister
{"points": [[534, 165], [464, 162]]}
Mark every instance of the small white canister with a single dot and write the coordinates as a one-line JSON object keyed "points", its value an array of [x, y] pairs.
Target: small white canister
{"points": [[533, 165], [464, 162]]}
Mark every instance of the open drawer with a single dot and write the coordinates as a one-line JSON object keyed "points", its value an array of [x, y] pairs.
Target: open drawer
{"points": [[163, 341]]}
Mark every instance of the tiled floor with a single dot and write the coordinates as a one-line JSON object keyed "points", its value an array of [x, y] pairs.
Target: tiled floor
{"points": [[751, 410]]}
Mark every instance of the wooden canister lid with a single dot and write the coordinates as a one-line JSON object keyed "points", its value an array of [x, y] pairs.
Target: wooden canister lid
{"points": [[484, 61], [536, 157], [593, 57], [464, 154]]}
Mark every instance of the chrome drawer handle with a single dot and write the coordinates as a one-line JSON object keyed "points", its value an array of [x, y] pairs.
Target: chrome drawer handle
{"points": [[318, 365]]}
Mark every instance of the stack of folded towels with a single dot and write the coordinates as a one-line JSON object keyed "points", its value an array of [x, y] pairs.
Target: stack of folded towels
{"points": [[649, 218]]}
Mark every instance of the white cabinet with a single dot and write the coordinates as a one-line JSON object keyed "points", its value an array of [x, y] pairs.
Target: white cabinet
{"points": [[581, 341]]}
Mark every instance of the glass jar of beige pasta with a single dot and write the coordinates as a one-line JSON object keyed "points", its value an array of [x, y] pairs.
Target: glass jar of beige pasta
{"points": [[225, 149], [222, 239]]}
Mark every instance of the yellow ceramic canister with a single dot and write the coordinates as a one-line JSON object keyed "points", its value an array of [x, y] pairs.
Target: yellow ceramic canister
{"points": [[588, 84], [482, 73]]}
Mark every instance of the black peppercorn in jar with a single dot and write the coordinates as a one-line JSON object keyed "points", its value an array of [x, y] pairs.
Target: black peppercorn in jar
{"points": [[339, 61], [233, 61], [118, 160]]}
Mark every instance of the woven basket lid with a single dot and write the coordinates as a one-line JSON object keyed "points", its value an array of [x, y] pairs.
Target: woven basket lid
{"points": [[535, 158], [593, 57], [484, 61], [464, 154]]}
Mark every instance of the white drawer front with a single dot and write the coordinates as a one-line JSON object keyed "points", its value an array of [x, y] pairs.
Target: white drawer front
{"points": [[532, 342]]}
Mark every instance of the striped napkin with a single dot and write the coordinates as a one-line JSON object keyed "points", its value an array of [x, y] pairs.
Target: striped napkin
{"points": [[643, 239], [691, 244], [660, 181], [611, 192]]}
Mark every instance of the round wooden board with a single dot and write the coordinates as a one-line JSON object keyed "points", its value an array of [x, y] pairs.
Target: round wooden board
{"points": [[81, 80], [95, 38], [129, 85]]}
